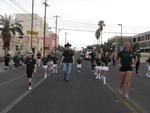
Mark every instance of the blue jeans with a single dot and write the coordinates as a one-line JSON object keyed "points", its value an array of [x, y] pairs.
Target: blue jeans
{"points": [[67, 70]]}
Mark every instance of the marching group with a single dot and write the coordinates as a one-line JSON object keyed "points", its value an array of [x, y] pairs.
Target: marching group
{"points": [[48, 62], [126, 60]]}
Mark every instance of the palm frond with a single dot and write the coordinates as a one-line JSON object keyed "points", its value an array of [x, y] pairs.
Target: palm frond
{"points": [[18, 30]]}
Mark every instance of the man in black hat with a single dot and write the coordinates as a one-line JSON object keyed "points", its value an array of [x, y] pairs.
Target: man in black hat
{"points": [[68, 60]]}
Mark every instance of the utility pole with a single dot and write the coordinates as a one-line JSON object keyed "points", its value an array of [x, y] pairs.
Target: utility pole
{"points": [[56, 31], [32, 22], [45, 4]]}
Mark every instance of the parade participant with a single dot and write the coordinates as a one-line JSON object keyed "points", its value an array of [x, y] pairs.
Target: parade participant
{"points": [[126, 63], [45, 64], [7, 60], [98, 66], [68, 60], [79, 62], [93, 55], [114, 54], [50, 62], [148, 67], [105, 62], [30, 63], [138, 62], [16, 59], [55, 61], [39, 56]]}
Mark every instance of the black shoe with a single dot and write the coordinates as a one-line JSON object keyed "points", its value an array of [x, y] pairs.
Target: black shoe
{"points": [[67, 80]]}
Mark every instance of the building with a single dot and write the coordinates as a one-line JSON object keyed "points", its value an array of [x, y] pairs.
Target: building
{"points": [[22, 44], [143, 39], [36, 43], [50, 42], [116, 40]]}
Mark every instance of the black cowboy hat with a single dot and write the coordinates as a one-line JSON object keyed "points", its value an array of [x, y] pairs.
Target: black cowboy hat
{"points": [[67, 45]]}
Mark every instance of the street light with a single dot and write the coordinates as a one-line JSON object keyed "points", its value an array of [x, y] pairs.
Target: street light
{"points": [[121, 35]]}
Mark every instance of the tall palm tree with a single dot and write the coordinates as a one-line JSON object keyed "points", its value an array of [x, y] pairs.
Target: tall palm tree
{"points": [[8, 28], [97, 34]]}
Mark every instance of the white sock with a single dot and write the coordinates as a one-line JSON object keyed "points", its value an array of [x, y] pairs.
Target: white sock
{"points": [[99, 76], [104, 79]]}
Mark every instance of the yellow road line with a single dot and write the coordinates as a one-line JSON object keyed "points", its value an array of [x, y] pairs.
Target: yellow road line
{"points": [[130, 104]]}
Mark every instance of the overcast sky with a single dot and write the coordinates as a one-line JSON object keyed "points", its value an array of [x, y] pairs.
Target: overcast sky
{"points": [[84, 15]]}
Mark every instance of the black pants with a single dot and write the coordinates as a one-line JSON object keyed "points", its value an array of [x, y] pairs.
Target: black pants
{"points": [[137, 67], [6, 62], [92, 65]]}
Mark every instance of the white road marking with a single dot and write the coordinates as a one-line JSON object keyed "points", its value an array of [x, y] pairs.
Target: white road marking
{"points": [[9, 81]]}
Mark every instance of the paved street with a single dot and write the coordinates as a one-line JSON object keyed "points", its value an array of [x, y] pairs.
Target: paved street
{"points": [[82, 94]]}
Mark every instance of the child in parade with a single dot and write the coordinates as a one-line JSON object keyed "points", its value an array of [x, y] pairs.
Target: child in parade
{"points": [[30, 63], [50, 63], [38, 58], [137, 65], [148, 67], [92, 57], [106, 61], [98, 65], [79, 61], [55, 61], [45, 64]]}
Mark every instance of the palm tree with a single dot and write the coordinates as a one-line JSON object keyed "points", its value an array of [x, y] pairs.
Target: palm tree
{"points": [[97, 34], [8, 28]]}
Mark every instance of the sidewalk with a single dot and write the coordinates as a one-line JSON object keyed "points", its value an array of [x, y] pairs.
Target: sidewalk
{"points": [[3, 68]]}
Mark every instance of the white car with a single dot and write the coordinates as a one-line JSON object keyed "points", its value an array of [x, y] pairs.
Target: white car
{"points": [[87, 54]]}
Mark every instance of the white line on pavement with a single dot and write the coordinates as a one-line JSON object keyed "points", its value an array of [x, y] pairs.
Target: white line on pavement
{"points": [[10, 106], [16, 101], [7, 82]]}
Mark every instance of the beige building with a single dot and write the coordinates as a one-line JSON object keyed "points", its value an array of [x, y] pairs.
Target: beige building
{"points": [[38, 31], [37, 41]]}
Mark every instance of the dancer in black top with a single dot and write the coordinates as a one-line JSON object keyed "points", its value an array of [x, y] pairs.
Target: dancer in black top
{"points": [[126, 63], [93, 55], [105, 68], [138, 61], [30, 63]]}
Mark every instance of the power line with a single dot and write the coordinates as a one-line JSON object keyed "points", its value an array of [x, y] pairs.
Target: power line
{"points": [[91, 24], [10, 5], [91, 30], [18, 5]]}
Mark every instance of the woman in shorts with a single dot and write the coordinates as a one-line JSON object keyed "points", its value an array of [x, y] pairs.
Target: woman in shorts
{"points": [[126, 61]]}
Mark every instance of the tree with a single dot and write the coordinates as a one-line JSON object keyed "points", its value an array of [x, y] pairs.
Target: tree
{"points": [[97, 34], [9, 27]]}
